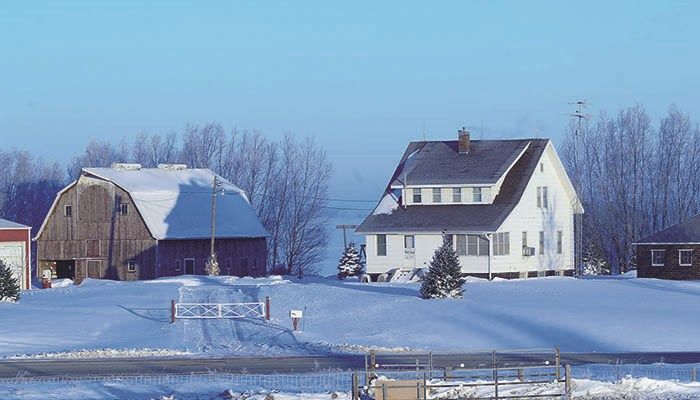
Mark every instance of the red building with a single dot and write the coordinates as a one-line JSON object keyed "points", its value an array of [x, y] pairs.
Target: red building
{"points": [[15, 250]]}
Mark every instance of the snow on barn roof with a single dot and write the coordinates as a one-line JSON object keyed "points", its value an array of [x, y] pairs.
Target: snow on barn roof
{"points": [[175, 203], [5, 224]]}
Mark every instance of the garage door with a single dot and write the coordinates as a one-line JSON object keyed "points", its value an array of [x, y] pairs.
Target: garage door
{"points": [[13, 254]]}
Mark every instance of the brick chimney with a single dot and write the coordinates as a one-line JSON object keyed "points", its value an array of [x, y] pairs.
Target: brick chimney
{"points": [[464, 142]]}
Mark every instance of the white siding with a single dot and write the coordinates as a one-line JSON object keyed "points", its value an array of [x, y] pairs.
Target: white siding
{"points": [[558, 216]]}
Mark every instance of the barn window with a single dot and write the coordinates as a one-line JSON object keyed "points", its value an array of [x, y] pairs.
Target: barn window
{"points": [[131, 266], [178, 265], [685, 258], [381, 245], [68, 210], [123, 209], [658, 257]]}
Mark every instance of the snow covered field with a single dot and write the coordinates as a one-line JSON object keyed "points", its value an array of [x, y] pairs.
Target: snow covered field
{"points": [[105, 318]]}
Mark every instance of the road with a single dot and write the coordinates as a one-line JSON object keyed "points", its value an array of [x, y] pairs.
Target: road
{"points": [[9, 369]]}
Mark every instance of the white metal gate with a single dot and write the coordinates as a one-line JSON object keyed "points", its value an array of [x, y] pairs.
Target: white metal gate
{"points": [[219, 310]]}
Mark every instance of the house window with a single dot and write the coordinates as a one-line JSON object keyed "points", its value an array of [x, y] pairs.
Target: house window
{"points": [[477, 246], [541, 167], [68, 210], [409, 242], [658, 257], [178, 265], [501, 244], [461, 245], [560, 236], [417, 196], [524, 239], [685, 258], [542, 197], [541, 242], [456, 195], [123, 209], [381, 245], [131, 266], [476, 195], [437, 195]]}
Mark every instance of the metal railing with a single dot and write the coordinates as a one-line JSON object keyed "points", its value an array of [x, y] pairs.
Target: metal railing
{"points": [[219, 310]]}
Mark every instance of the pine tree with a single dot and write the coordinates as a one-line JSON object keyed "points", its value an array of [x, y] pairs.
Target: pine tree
{"points": [[444, 277], [212, 266], [349, 264], [9, 287]]}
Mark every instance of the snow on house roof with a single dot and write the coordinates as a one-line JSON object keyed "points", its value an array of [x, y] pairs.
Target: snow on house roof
{"points": [[176, 203], [683, 233], [5, 224], [466, 217]]}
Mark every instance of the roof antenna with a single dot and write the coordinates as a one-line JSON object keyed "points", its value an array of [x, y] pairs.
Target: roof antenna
{"points": [[481, 130], [424, 139]]}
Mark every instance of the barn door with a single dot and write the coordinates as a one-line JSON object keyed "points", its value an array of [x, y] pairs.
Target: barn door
{"points": [[94, 269], [189, 266]]}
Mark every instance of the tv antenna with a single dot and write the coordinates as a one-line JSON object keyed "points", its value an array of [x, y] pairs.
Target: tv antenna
{"points": [[579, 117]]}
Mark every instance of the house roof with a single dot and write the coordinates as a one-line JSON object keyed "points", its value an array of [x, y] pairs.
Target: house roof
{"points": [[176, 204], [5, 224], [389, 218], [685, 232], [439, 162]]}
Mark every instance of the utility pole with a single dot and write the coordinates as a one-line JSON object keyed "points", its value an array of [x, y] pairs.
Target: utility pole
{"points": [[579, 116], [212, 264], [345, 237]]}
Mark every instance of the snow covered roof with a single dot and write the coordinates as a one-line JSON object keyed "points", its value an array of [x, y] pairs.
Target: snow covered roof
{"points": [[175, 203], [5, 224]]}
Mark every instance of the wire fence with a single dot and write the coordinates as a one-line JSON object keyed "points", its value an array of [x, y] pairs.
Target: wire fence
{"points": [[323, 382]]}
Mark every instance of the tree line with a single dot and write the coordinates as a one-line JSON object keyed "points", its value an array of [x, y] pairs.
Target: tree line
{"points": [[634, 177], [286, 182]]}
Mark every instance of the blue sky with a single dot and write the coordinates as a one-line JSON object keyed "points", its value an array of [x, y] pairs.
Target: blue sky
{"points": [[364, 78]]}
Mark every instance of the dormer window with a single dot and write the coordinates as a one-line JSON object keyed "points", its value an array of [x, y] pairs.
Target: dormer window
{"points": [[417, 196], [456, 195], [437, 195], [477, 195]]}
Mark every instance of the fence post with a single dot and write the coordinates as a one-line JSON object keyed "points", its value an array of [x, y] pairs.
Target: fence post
{"points": [[557, 352], [355, 387], [521, 375], [425, 387], [567, 381], [172, 311], [495, 374], [693, 374], [384, 391], [267, 308], [372, 360]]}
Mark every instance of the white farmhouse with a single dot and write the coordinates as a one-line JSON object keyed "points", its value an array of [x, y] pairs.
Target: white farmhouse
{"points": [[507, 206]]}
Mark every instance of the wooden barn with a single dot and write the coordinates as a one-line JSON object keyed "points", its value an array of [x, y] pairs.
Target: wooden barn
{"points": [[129, 223], [15, 250]]}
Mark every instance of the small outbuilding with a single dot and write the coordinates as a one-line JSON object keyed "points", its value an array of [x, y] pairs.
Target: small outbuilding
{"points": [[672, 253], [15, 250]]}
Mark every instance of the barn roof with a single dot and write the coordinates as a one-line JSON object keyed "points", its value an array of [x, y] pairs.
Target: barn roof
{"points": [[5, 224], [515, 158], [683, 233], [176, 204]]}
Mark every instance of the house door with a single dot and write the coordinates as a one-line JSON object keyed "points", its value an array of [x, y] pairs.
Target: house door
{"points": [[189, 266]]}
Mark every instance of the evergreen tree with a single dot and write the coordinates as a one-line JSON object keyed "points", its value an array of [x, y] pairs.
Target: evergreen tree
{"points": [[350, 264], [9, 287], [444, 277], [212, 266]]}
